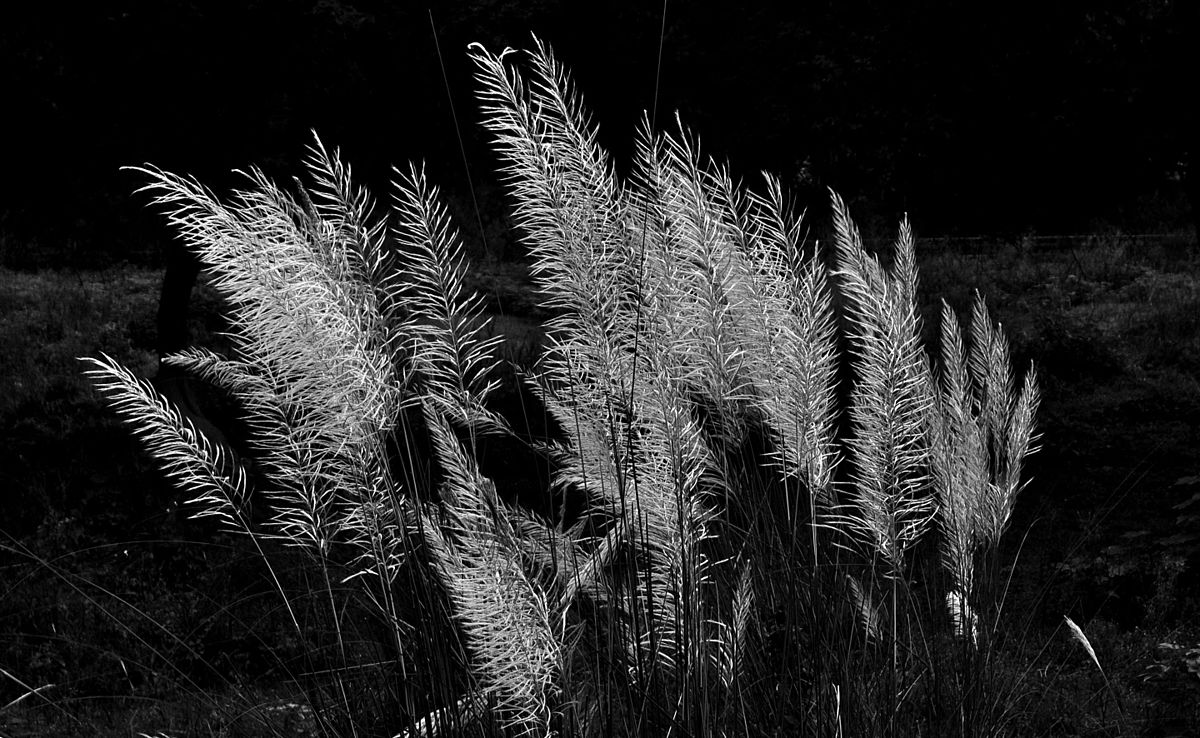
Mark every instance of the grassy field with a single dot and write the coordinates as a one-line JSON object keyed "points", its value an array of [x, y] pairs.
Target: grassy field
{"points": [[120, 616]]}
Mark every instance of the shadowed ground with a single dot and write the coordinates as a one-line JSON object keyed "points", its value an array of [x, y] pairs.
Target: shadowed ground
{"points": [[1110, 522]]}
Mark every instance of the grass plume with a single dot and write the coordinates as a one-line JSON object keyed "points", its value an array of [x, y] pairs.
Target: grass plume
{"points": [[744, 558]]}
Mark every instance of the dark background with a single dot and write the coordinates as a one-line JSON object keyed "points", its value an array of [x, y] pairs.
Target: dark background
{"points": [[975, 118], [998, 120]]}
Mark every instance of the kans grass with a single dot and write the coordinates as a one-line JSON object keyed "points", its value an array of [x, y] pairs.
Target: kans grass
{"points": [[770, 508]]}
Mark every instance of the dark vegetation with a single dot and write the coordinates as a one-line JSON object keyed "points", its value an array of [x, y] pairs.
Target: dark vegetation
{"points": [[141, 618]]}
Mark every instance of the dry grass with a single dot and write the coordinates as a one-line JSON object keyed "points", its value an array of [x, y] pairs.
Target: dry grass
{"points": [[686, 320], [788, 508]]}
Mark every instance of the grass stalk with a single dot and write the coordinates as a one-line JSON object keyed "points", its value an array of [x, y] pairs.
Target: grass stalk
{"points": [[764, 450]]}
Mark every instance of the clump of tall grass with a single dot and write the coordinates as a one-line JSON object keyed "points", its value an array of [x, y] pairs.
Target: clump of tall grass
{"points": [[766, 456]]}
